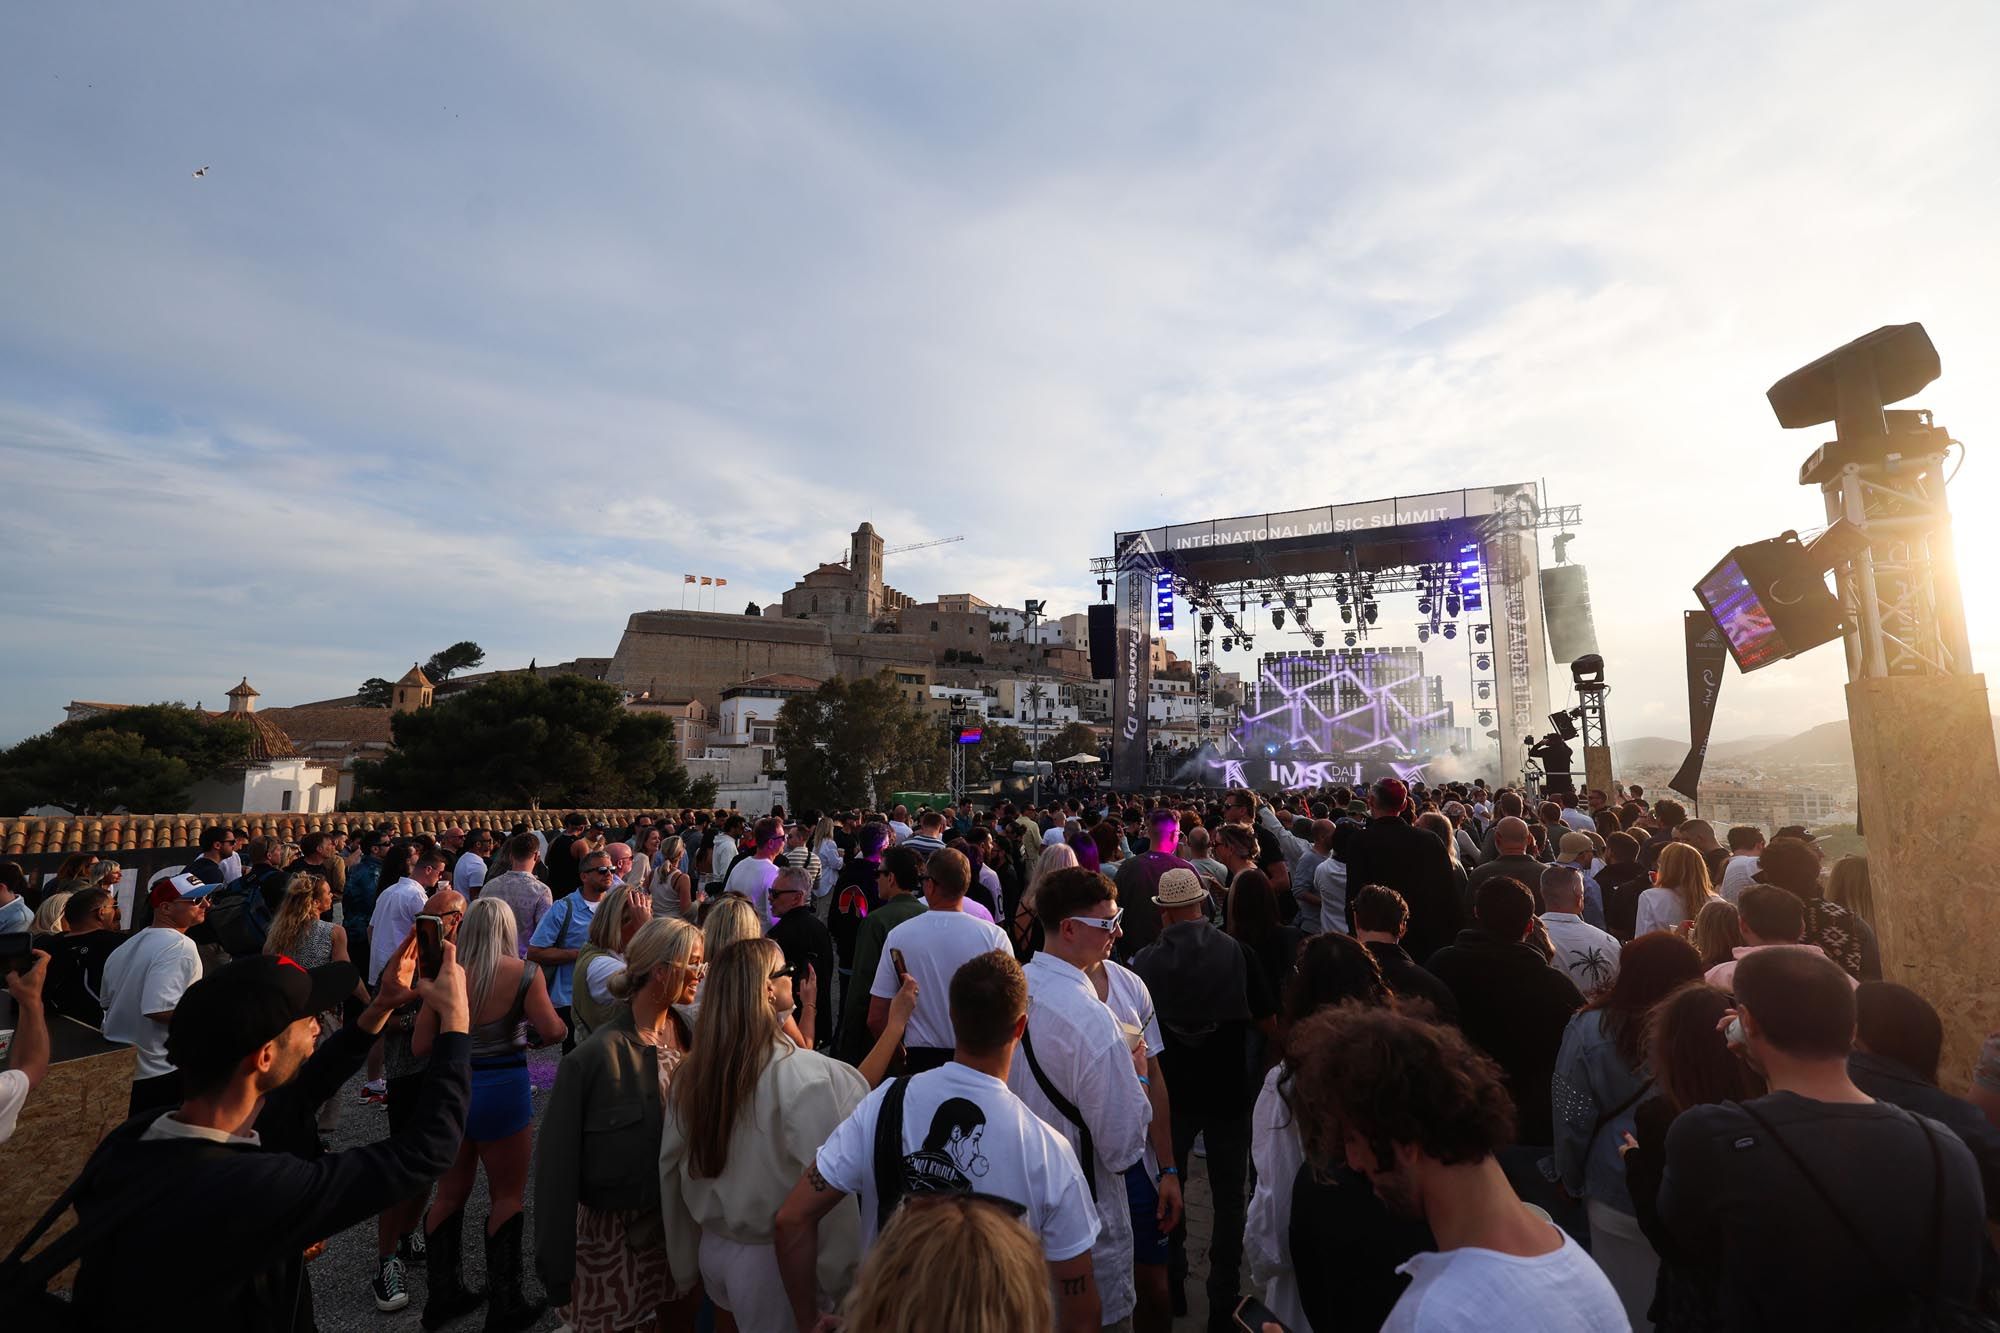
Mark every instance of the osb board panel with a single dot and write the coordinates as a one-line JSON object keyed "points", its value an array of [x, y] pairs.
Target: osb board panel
{"points": [[75, 1106], [1930, 806]]}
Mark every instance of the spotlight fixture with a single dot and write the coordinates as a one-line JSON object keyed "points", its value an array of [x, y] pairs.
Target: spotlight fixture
{"points": [[1485, 718], [1207, 624], [1423, 606], [1349, 638], [1451, 604], [1229, 645], [1277, 617], [1290, 598], [1485, 690], [1370, 613], [1264, 599], [1340, 593], [1484, 661], [1346, 612], [1319, 640], [1450, 630], [1423, 634], [1479, 634]]}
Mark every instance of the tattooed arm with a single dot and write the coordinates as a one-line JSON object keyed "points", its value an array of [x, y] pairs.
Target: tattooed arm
{"points": [[1077, 1304], [797, 1242]]}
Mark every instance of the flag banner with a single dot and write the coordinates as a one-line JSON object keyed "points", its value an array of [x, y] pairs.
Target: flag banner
{"points": [[1706, 654], [687, 578], [722, 583], [706, 580]]}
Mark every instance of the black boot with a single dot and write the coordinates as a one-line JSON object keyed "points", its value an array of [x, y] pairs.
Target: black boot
{"points": [[507, 1308], [446, 1296]]}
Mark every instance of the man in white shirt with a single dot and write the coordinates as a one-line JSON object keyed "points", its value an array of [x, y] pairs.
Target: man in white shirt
{"points": [[397, 909], [962, 1132], [145, 977], [1588, 954], [28, 1054], [1075, 1070], [1746, 848], [470, 872], [754, 873], [1380, 1089], [932, 946], [1574, 817], [899, 823]]}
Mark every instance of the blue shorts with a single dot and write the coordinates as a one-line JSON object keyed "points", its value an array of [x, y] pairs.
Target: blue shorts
{"points": [[501, 1105], [1149, 1246]]}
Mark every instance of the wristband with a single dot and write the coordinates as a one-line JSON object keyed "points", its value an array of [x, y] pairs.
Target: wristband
{"points": [[1145, 1082], [1166, 1171]]}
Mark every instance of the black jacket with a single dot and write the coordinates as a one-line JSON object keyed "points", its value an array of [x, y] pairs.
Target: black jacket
{"points": [[806, 939], [1408, 980], [1414, 863], [1524, 868], [1513, 1006], [1887, 1080], [252, 1212]]}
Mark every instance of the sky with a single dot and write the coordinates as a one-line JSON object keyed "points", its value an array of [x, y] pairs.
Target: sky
{"points": [[493, 321]]}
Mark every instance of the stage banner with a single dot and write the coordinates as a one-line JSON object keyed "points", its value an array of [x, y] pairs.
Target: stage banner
{"points": [[1706, 653], [1137, 564]]}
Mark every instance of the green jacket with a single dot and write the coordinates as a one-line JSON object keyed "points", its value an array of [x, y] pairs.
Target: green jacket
{"points": [[599, 1143], [855, 1040]]}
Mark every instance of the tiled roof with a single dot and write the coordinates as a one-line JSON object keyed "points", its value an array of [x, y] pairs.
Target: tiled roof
{"points": [[415, 676], [779, 681], [267, 739], [309, 723]]}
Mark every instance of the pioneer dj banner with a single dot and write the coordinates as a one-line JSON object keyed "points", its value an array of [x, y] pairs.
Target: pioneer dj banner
{"points": [[1129, 739], [1706, 654]]}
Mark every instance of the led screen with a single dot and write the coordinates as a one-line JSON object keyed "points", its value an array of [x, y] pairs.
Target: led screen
{"points": [[1753, 640]]}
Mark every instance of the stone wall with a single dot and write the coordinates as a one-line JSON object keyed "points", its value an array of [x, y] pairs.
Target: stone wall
{"points": [[698, 654]]}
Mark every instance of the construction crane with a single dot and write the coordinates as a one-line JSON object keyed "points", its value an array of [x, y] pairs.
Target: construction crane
{"points": [[842, 558]]}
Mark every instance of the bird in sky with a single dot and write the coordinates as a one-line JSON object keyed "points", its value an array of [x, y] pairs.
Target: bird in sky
{"points": [[202, 172]]}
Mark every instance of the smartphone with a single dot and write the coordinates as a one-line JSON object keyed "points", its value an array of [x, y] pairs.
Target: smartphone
{"points": [[430, 945], [1253, 1316], [896, 957], [1734, 1035], [17, 954]]}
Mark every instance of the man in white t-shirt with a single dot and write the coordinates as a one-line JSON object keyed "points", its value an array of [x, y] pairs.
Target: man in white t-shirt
{"points": [[962, 1132], [145, 977], [1588, 954], [1076, 1071], [397, 909], [755, 873], [931, 945], [1412, 1106], [1746, 847], [470, 872]]}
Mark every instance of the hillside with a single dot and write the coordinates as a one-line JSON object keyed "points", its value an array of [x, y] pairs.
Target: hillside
{"points": [[1827, 743]]}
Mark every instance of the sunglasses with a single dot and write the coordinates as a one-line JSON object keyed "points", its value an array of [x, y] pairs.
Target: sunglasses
{"points": [[597, 870], [791, 970], [1107, 924]]}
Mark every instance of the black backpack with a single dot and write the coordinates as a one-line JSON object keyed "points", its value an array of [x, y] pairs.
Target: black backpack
{"points": [[238, 916]]}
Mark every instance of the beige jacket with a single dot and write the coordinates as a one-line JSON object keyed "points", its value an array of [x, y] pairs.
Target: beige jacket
{"points": [[801, 1098]]}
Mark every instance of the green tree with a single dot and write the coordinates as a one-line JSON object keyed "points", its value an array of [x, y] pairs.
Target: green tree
{"points": [[1000, 749], [518, 740], [850, 742], [377, 692], [1074, 738], [448, 662], [142, 760]]}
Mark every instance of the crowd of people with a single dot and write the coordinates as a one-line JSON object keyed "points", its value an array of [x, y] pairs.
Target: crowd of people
{"points": [[1448, 1058]]}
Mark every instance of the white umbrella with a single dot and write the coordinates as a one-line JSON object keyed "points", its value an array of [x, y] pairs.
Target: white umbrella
{"points": [[1081, 759]]}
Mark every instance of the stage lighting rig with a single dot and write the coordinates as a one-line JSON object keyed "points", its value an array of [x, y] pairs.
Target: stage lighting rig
{"points": [[1479, 635], [1207, 623], [1450, 630], [1423, 631], [1348, 638]]}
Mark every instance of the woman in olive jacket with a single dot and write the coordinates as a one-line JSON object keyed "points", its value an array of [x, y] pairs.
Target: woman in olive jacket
{"points": [[599, 1244]]}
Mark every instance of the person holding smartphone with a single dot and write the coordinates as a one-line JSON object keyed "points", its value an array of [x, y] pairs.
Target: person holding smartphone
{"points": [[28, 1055]]}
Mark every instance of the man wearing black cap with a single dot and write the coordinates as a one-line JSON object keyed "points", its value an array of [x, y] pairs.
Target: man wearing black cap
{"points": [[239, 1036]]}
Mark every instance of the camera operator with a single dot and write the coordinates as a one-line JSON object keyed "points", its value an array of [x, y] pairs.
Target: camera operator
{"points": [[238, 1036], [1552, 752]]}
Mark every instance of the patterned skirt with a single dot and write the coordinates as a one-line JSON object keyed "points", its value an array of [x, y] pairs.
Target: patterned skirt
{"points": [[617, 1287]]}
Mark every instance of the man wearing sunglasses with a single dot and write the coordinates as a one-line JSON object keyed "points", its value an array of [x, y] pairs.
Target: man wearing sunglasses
{"points": [[1076, 1071], [561, 935]]}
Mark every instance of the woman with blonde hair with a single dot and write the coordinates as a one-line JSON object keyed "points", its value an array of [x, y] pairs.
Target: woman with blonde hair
{"points": [[747, 1111], [501, 991], [830, 857], [673, 888], [1847, 885], [1680, 890], [952, 1261], [598, 1243], [617, 919], [646, 843], [49, 916], [298, 933], [1027, 930], [730, 918], [1718, 932]]}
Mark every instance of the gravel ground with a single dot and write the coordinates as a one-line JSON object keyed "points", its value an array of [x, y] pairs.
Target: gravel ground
{"points": [[341, 1276]]}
